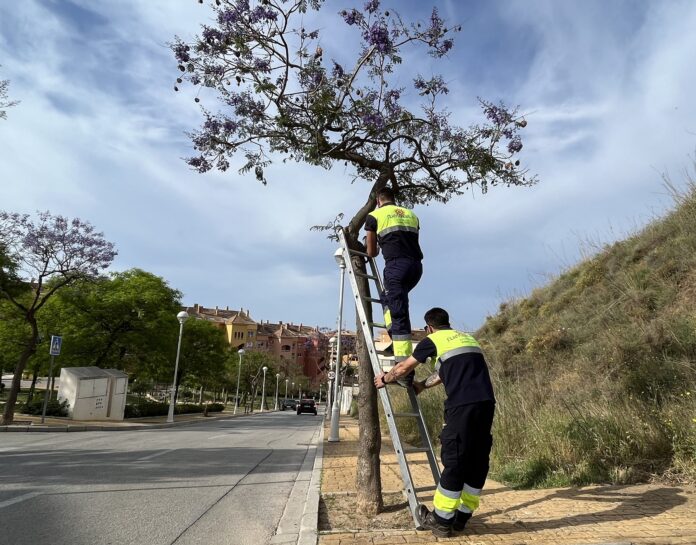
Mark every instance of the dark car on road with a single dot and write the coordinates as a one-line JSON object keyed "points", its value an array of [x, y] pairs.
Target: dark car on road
{"points": [[288, 404], [307, 406]]}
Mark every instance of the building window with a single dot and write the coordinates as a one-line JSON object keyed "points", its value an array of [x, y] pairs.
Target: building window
{"points": [[286, 348], [250, 333]]}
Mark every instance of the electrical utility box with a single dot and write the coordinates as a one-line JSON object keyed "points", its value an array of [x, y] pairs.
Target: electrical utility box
{"points": [[93, 393]]}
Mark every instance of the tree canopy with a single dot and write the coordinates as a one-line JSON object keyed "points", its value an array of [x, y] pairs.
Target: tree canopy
{"points": [[280, 97]]}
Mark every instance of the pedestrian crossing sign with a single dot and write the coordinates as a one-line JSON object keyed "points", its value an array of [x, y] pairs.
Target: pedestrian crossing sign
{"points": [[56, 342]]}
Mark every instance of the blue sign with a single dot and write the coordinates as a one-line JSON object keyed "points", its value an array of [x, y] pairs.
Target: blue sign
{"points": [[56, 343]]}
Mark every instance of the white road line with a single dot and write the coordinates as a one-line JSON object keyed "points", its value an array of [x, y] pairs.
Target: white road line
{"points": [[155, 455], [6, 449], [221, 435], [19, 499]]}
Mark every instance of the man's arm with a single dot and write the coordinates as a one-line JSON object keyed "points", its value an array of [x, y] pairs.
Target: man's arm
{"points": [[371, 243], [401, 369]]}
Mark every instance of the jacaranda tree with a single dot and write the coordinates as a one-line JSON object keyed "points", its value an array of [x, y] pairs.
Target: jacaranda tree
{"points": [[49, 253], [280, 97]]}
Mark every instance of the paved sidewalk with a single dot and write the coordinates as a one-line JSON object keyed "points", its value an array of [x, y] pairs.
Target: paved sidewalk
{"points": [[645, 514]]}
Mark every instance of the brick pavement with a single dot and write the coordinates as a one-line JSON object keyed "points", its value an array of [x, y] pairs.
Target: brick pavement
{"points": [[644, 514]]}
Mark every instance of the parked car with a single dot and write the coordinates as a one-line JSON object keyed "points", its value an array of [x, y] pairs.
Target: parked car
{"points": [[307, 406], [288, 404]]}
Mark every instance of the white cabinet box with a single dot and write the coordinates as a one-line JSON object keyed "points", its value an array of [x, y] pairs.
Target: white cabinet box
{"points": [[93, 393]]}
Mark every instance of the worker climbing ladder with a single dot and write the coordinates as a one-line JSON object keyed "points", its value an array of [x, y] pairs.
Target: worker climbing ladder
{"points": [[361, 300]]}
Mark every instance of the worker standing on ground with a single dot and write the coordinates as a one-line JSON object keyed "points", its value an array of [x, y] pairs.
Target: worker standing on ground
{"points": [[466, 437], [396, 229]]}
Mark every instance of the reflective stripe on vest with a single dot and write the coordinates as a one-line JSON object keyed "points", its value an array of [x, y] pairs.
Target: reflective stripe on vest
{"points": [[449, 343], [391, 218]]}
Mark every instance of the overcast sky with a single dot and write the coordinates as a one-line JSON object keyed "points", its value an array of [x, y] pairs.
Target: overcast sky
{"points": [[607, 87]]}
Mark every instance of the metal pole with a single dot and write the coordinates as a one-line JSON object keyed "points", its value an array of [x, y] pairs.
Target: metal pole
{"points": [[286, 387], [170, 416], [48, 383], [335, 410], [276, 394], [239, 370]]}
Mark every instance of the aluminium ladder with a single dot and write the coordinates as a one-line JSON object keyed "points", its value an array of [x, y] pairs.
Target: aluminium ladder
{"points": [[367, 328]]}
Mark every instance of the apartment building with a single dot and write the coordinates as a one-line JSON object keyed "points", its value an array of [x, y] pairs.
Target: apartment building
{"points": [[304, 346]]}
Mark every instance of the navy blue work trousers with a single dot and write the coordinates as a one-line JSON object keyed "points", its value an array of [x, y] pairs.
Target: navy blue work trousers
{"points": [[400, 276]]}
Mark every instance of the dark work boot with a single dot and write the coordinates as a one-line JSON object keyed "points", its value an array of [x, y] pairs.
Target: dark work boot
{"points": [[428, 521], [460, 520]]}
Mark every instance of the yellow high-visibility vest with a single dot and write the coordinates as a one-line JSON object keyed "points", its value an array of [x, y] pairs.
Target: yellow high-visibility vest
{"points": [[391, 218]]}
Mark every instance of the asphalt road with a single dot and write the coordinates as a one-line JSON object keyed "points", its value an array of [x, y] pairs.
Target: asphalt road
{"points": [[220, 482]]}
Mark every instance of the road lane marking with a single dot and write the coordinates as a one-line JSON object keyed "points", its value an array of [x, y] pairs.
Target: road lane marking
{"points": [[155, 455], [7, 449], [19, 499]]}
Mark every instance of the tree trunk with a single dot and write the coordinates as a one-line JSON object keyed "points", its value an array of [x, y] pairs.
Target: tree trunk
{"points": [[28, 352], [368, 478]]}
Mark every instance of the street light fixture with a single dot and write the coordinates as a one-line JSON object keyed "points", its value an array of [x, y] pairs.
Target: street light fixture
{"points": [[276, 396], [293, 389], [287, 380], [239, 370], [336, 410], [182, 317], [263, 388]]}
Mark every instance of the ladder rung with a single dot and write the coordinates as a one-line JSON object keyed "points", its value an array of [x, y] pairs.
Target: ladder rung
{"points": [[409, 450], [358, 252], [406, 415], [425, 488], [370, 276], [375, 324], [372, 300]]}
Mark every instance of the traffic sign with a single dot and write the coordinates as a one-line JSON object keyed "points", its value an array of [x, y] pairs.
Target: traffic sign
{"points": [[56, 343], [332, 375]]}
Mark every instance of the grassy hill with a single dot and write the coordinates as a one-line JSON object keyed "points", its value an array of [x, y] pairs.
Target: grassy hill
{"points": [[595, 373]]}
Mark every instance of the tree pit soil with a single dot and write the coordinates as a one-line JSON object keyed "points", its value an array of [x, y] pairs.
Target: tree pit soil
{"points": [[337, 513]]}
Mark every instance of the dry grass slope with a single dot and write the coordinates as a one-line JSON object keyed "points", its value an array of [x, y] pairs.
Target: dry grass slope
{"points": [[595, 373]]}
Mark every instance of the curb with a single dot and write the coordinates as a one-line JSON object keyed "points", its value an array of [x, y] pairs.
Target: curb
{"points": [[132, 427], [299, 523], [309, 527]]}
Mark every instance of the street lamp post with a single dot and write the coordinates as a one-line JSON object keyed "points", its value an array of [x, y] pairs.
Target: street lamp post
{"points": [[336, 409], [293, 389], [287, 380], [182, 317], [276, 396], [329, 383], [239, 370], [263, 387]]}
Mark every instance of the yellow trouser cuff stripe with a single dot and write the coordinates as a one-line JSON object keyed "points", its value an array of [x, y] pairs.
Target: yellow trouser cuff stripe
{"points": [[443, 503], [470, 501], [403, 348]]}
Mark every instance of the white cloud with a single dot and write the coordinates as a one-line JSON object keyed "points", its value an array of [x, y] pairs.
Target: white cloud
{"points": [[99, 134]]}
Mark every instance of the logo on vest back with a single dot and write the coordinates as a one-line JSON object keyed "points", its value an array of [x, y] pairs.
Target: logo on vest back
{"points": [[399, 212]]}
